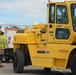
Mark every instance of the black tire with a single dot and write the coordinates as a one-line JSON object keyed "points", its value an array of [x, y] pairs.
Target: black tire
{"points": [[47, 69], [7, 58], [73, 65], [18, 61], [20, 31]]}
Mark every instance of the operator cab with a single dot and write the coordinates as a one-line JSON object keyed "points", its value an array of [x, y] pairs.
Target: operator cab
{"points": [[62, 21]]}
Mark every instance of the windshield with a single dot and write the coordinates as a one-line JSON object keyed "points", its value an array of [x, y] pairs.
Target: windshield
{"points": [[73, 12]]}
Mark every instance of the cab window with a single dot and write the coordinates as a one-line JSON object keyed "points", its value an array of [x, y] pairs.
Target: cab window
{"points": [[61, 15], [52, 13], [62, 33], [73, 14]]}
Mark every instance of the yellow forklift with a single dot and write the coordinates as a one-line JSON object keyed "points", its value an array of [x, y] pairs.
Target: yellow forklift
{"points": [[50, 45]]}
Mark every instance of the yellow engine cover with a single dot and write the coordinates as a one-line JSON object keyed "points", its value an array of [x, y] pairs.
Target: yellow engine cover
{"points": [[24, 38]]}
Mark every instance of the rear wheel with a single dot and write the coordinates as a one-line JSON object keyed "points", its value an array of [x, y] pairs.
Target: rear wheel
{"points": [[47, 69], [18, 61], [73, 64]]}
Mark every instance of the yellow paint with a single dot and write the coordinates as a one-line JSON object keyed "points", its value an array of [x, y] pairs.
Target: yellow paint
{"points": [[44, 48], [24, 38], [57, 56]]}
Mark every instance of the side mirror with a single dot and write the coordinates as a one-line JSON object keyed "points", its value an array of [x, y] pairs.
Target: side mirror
{"points": [[43, 30]]}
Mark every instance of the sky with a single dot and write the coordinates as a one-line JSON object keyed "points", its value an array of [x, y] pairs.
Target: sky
{"points": [[23, 12]]}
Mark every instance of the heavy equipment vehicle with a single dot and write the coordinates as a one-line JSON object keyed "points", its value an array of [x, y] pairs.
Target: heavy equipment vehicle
{"points": [[50, 45]]}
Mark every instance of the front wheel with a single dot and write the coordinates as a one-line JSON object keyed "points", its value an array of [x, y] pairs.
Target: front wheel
{"points": [[73, 65], [18, 61]]}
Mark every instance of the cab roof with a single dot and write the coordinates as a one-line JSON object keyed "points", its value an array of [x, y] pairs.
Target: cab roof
{"points": [[62, 1]]}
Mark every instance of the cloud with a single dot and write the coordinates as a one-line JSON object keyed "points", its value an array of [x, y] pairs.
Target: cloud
{"points": [[1, 22], [26, 8], [30, 8]]}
